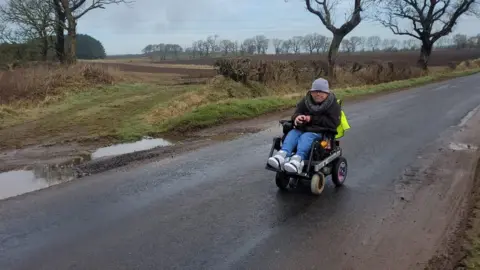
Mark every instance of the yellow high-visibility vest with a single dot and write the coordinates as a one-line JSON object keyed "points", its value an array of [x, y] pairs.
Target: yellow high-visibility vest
{"points": [[343, 123]]}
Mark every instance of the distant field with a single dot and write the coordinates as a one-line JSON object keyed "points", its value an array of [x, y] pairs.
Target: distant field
{"points": [[439, 58], [186, 70], [143, 61]]}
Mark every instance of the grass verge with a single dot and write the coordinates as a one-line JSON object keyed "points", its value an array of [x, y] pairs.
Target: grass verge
{"points": [[238, 109], [127, 111]]}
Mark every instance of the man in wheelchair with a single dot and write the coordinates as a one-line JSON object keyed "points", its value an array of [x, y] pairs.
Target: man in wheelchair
{"points": [[318, 110]]}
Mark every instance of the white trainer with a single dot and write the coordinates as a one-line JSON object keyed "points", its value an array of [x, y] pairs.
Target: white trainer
{"points": [[295, 165], [278, 160]]}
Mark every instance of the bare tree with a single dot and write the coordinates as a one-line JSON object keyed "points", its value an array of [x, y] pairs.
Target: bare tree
{"points": [[250, 45], [394, 43], [327, 44], [355, 42], [363, 43], [287, 45], [346, 45], [261, 42], [324, 10], [73, 10], [431, 20], [212, 43], [33, 20], [386, 44], [296, 42], [226, 46], [277, 44], [320, 42], [374, 42], [309, 43], [460, 41], [236, 47]]}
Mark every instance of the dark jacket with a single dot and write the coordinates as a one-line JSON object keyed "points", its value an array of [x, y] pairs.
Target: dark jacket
{"points": [[330, 118]]}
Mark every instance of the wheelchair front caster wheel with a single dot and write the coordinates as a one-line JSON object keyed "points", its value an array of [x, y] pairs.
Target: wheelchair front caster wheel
{"points": [[282, 181], [317, 184]]}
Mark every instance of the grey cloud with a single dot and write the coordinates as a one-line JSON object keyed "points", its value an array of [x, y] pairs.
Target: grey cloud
{"points": [[147, 16]]}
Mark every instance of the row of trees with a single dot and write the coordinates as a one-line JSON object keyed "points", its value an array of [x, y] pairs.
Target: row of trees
{"points": [[45, 22], [429, 22], [311, 43]]}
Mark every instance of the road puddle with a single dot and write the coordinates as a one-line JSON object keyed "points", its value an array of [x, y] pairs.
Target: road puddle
{"points": [[19, 182], [125, 148]]}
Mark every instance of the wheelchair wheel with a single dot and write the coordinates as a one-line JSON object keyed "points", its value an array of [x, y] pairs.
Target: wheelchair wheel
{"points": [[282, 181], [317, 184], [339, 172]]}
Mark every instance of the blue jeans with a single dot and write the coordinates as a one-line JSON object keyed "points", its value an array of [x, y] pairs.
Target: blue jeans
{"points": [[303, 141]]}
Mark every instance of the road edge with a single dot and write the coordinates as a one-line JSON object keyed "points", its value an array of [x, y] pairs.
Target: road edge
{"points": [[454, 252]]}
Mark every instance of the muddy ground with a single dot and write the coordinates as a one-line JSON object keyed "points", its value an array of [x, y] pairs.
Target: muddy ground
{"points": [[79, 155]]}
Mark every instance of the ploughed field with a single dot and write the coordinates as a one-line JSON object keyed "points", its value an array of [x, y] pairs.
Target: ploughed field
{"points": [[438, 58]]}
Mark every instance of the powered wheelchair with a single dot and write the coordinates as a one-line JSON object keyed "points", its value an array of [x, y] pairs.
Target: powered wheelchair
{"points": [[325, 159]]}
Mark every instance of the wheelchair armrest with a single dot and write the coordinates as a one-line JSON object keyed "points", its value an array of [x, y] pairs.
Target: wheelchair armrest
{"points": [[287, 125], [286, 122]]}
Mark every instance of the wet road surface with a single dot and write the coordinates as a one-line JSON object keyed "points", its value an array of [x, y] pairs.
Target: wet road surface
{"points": [[218, 208]]}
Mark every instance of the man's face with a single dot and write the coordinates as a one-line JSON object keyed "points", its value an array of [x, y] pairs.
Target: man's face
{"points": [[319, 96]]}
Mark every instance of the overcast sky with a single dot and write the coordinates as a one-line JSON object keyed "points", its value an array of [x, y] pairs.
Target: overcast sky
{"points": [[128, 29]]}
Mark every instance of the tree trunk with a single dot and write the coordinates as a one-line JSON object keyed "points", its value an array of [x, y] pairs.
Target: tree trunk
{"points": [[45, 47], [59, 32], [425, 53], [72, 33], [72, 36], [332, 54]]}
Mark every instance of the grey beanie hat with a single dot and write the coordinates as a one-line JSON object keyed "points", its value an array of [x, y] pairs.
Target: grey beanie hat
{"points": [[320, 85]]}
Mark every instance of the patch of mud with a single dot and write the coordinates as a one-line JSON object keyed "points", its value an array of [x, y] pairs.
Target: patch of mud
{"points": [[462, 147], [457, 249], [18, 182], [45, 155], [105, 164]]}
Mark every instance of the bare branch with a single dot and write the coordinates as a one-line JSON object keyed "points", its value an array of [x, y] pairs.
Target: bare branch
{"points": [[80, 8], [424, 16]]}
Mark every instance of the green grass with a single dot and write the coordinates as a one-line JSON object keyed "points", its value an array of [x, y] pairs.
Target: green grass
{"points": [[113, 112], [237, 109], [234, 109]]}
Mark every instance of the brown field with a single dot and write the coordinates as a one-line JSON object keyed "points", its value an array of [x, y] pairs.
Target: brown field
{"points": [[190, 72], [189, 67], [439, 57]]}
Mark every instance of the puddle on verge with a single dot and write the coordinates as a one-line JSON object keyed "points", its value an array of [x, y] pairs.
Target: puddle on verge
{"points": [[125, 148], [19, 182]]}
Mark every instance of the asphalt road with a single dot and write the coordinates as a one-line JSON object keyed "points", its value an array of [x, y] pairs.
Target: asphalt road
{"points": [[218, 208]]}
